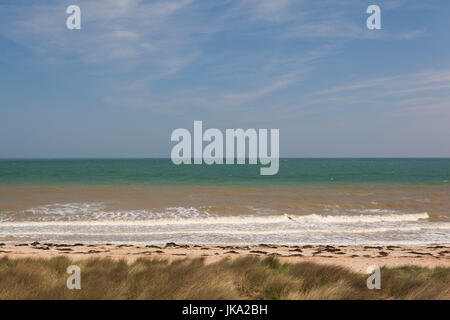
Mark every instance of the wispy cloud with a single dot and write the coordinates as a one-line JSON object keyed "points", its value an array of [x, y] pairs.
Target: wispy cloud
{"points": [[275, 85], [420, 91], [167, 36], [164, 31], [396, 84], [140, 95], [111, 30], [268, 10]]}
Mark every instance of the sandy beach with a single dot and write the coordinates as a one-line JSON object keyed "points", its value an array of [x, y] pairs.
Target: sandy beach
{"points": [[355, 258]]}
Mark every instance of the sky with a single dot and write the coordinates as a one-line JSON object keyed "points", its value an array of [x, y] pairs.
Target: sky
{"points": [[137, 70]]}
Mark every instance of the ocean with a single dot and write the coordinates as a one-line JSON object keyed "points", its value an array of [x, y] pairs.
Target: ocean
{"points": [[309, 201]]}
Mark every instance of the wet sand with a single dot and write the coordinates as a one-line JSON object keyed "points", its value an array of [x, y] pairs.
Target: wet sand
{"points": [[355, 258]]}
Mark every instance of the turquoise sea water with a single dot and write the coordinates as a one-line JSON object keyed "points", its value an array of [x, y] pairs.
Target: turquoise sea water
{"points": [[163, 171]]}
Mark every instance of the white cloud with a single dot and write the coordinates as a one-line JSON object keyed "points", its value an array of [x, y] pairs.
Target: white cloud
{"points": [[245, 96], [269, 10], [110, 30], [169, 36], [425, 92], [396, 84]]}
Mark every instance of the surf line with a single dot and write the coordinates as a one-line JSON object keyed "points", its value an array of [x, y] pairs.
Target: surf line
{"points": [[236, 140]]}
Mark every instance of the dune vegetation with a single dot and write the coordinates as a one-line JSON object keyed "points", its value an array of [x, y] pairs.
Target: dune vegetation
{"points": [[240, 278]]}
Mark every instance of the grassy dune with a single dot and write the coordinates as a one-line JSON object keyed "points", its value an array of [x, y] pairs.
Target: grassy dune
{"points": [[241, 278]]}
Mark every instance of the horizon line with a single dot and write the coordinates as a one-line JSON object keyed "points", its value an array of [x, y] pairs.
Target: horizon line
{"points": [[168, 158]]}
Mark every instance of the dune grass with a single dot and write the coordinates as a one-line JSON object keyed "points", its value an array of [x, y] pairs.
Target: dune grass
{"points": [[241, 278]]}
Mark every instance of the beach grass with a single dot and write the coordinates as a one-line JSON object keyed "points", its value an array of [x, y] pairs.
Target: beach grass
{"points": [[240, 278]]}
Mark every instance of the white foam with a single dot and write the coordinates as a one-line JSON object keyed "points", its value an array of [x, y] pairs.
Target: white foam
{"points": [[444, 226], [307, 219], [362, 218], [65, 209], [97, 211]]}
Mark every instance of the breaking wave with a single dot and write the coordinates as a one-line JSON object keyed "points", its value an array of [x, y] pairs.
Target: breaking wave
{"points": [[97, 222], [96, 213]]}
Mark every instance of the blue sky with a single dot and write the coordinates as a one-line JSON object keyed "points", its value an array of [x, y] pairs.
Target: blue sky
{"points": [[139, 69]]}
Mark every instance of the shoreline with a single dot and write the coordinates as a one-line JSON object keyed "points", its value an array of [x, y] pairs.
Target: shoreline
{"points": [[353, 257]]}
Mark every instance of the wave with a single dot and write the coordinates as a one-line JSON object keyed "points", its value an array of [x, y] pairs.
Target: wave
{"points": [[95, 222], [316, 218], [231, 232], [97, 211], [305, 219]]}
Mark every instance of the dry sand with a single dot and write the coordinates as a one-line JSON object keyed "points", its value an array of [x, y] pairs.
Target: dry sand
{"points": [[356, 258]]}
